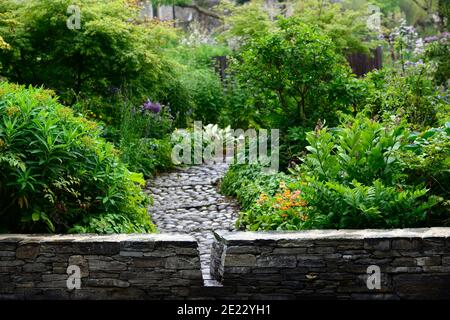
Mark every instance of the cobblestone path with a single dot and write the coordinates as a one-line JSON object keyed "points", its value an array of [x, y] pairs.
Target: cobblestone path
{"points": [[187, 201]]}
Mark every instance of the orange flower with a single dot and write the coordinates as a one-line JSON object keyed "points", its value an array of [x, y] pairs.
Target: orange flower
{"points": [[296, 194], [262, 198]]}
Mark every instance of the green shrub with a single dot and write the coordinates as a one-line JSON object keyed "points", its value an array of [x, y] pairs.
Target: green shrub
{"points": [[143, 139], [345, 25], [412, 95], [206, 93], [147, 155], [247, 182], [359, 149], [58, 175], [239, 111], [314, 204], [296, 75], [439, 53], [363, 174], [425, 160], [203, 92], [113, 56]]}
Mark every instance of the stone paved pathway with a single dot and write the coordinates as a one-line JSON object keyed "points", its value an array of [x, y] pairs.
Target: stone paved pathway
{"points": [[187, 201]]}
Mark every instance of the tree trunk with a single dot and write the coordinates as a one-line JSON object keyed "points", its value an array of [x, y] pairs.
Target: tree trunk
{"points": [[301, 109]]}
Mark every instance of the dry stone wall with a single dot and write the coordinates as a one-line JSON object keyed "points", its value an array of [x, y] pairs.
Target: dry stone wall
{"points": [[413, 264], [111, 267]]}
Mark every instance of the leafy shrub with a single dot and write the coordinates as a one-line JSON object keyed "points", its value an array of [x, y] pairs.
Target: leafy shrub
{"points": [[293, 146], [360, 149], [245, 21], [247, 182], [363, 174], [143, 139], [426, 161], [114, 56], [345, 25], [296, 75], [438, 52], [312, 204], [412, 95], [58, 175], [239, 111], [203, 91], [147, 155], [206, 94]]}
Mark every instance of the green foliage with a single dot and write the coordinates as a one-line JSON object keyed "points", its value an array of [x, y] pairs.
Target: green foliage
{"points": [[239, 111], [360, 149], [293, 146], [346, 27], [247, 182], [3, 45], [195, 54], [143, 140], [113, 54], [203, 91], [438, 52], [245, 22], [426, 161], [296, 75], [412, 95], [316, 204], [58, 175], [206, 93], [363, 174], [355, 205], [107, 223], [417, 12], [147, 155]]}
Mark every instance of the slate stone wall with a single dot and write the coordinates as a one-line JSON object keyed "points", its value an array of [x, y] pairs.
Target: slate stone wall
{"points": [[414, 264], [111, 267]]}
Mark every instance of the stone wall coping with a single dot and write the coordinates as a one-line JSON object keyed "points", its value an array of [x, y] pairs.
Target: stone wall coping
{"points": [[361, 234], [152, 237]]}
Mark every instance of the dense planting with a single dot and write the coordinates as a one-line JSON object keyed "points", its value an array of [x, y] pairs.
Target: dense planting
{"points": [[88, 113], [362, 174], [57, 174]]}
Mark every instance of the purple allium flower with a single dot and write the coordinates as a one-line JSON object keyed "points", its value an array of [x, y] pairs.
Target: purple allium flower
{"points": [[154, 107]]}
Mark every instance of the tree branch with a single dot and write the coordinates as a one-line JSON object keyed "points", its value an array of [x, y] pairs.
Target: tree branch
{"points": [[201, 10], [421, 6]]}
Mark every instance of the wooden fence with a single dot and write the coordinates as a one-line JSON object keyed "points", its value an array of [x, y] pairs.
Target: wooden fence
{"points": [[362, 64]]}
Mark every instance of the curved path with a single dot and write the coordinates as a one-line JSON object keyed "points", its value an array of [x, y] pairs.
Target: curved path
{"points": [[187, 201]]}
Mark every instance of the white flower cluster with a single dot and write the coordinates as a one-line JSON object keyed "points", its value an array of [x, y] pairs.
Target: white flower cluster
{"points": [[406, 34]]}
